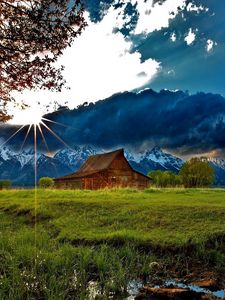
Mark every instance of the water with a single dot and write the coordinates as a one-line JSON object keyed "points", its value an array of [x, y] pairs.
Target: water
{"points": [[134, 286], [133, 289], [218, 294]]}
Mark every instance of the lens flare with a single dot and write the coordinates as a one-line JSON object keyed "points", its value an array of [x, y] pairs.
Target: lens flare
{"points": [[27, 116]]}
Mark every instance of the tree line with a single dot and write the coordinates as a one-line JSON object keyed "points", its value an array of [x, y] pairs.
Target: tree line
{"points": [[194, 173]]}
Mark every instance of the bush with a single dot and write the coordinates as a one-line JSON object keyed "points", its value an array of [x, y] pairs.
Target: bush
{"points": [[5, 184], [46, 182], [165, 178]]}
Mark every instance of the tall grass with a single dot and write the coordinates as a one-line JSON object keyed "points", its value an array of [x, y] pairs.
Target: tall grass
{"points": [[88, 242]]}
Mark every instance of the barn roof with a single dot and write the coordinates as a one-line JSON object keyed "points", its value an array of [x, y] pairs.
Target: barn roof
{"points": [[94, 164]]}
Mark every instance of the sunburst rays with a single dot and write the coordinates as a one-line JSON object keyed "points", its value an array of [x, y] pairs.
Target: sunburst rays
{"points": [[61, 124], [24, 141], [55, 135], [37, 129], [35, 189], [14, 134]]}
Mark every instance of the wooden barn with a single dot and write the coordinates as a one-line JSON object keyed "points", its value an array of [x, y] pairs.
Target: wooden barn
{"points": [[104, 170]]}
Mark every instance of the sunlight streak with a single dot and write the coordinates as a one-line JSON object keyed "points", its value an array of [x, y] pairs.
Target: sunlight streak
{"points": [[28, 130], [35, 155], [53, 133], [43, 138], [35, 189], [57, 123], [12, 136], [46, 145]]}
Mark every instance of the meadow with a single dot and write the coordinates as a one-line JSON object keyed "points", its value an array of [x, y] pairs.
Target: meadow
{"points": [[54, 244]]}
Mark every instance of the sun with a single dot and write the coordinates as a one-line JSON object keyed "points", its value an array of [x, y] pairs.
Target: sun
{"points": [[28, 116]]}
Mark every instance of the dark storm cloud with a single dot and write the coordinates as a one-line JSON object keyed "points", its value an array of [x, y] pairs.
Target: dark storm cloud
{"points": [[186, 124], [171, 120]]}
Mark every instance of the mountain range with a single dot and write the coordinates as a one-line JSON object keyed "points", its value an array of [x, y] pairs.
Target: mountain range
{"points": [[19, 167]]}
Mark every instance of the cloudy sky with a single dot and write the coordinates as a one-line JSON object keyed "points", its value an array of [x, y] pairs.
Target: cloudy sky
{"points": [[152, 49], [132, 45]]}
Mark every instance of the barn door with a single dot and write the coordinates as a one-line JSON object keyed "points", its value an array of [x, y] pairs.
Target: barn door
{"points": [[89, 184]]}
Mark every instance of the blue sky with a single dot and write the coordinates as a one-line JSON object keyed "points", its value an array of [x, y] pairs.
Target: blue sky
{"points": [[199, 66]]}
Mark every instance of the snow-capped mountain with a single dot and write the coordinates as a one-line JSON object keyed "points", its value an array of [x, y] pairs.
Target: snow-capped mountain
{"points": [[6, 153], [154, 159], [218, 165], [165, 160], [21, 157], [9, 164], [73, 158], [19, 166]]}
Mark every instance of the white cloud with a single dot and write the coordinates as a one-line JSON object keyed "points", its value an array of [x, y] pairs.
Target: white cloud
{"points": [[190, 37], [210, 45], [156, 16], [102, 64], [98, 64], [171, 73], [195, 8], [173, 37]]}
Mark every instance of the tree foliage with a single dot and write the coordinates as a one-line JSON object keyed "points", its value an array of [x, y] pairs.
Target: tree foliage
{"points": [[33, 33], [5, 184], [197, 173], [165, 178], [46, 182]]}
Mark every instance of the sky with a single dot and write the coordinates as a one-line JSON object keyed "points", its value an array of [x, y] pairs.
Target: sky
{"points": [[166, 56], [133, 45]]}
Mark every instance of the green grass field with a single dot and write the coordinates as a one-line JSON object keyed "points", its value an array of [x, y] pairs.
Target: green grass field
{"points": [[52, 250]]}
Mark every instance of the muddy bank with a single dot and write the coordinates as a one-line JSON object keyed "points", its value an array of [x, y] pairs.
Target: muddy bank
{"points": [[177, 292], [189, 288], [164, 293]]}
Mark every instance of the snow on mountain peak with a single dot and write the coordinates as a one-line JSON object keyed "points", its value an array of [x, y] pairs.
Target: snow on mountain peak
{"points": [[6, 153], [23, 157], [69, 160], [74, 157], [219, 162], [166, 160]]}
